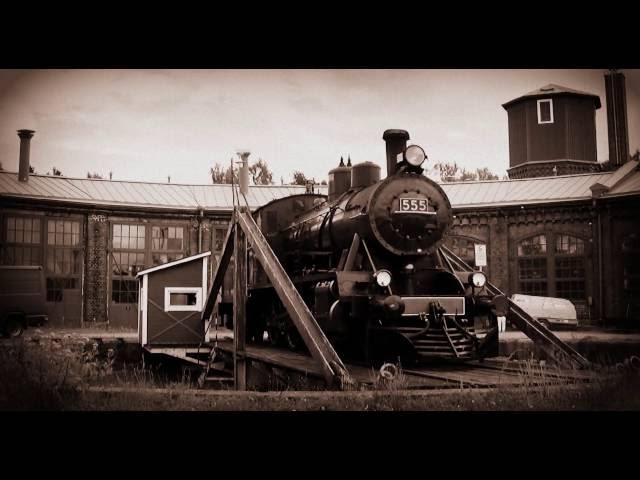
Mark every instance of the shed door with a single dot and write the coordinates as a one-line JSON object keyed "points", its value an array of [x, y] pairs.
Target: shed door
{"points": [[64, 256]]}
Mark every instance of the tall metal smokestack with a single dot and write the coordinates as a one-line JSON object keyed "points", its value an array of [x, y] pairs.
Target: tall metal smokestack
{"points": [[396, 141], [617, 117], [243, 173], [25, 144]]}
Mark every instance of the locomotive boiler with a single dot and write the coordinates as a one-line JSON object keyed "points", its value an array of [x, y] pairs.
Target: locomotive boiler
{"points": [[366, 260]]}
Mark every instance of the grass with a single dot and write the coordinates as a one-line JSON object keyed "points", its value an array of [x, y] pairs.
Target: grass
{"points": [[75, 375]]}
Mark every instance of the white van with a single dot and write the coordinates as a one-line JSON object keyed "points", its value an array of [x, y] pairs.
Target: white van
{"points": [[550, 311]]}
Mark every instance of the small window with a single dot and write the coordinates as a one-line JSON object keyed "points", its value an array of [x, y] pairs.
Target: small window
{"points": [[167, 238], [124, 291], [182, 299], [545, 111]]}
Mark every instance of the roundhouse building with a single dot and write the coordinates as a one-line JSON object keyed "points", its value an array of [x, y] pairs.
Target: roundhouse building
{"points": [[560, 227], [573, 236]]}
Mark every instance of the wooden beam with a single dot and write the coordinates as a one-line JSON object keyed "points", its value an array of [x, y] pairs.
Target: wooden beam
{"points": [[221, 270], [240, 309], [314, 338]]}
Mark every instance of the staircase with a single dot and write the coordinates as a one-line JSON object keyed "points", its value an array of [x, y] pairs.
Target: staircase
{"points": [[532, 328]]}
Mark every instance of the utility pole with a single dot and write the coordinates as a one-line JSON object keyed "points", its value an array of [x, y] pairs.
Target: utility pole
{"points": [[240, 282]]}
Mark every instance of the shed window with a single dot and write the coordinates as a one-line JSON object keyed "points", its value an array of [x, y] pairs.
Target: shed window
{"points": [[124, 291], [127, 259], [22, 241], [182, 299], [219, 236], [128, 236], [545, 111], [23, 230], [167, 238], [532, 265]]}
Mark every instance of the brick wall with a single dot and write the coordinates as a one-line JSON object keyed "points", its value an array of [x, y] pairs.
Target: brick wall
{"points": [[95, 291]]}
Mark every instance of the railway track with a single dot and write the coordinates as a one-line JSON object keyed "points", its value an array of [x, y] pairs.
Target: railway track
{"points": [[492, 373]]}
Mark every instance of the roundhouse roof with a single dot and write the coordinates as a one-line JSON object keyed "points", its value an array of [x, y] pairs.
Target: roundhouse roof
{"points": [[551, 90], [624, 181], [144, 195]]}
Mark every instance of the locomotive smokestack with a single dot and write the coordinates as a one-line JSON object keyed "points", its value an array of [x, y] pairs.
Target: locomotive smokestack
{"points": [[25, 143], [396, 141]]}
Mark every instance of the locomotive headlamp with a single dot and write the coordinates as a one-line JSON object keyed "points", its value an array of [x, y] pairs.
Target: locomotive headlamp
{"points": [[383, 277], [415, 155], [478, 279]]}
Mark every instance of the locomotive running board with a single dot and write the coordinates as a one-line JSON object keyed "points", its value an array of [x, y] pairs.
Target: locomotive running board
{"points": [[535, 330]]}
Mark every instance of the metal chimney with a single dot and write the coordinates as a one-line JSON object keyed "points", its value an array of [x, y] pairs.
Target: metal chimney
{"points": [[396, 141], [25, 143], [243, 174], [617, 118]]}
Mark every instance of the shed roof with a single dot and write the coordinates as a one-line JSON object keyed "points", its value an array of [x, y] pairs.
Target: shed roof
{"points": [[624, 181], [551, 90], [173, 264]]}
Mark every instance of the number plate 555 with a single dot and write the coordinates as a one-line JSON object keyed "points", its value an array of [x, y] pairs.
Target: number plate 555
{"points": [[413, 205]]}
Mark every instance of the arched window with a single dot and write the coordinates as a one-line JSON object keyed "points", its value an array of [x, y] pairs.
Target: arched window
{"points": [[532, 266], [554, 265], [464, 247], [570, 268]]}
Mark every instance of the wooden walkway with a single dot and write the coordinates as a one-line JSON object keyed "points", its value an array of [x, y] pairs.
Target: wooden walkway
{"points": [[491, 373]]}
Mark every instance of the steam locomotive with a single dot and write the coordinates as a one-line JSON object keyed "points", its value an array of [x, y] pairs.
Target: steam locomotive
{"points": [[367, 262]]}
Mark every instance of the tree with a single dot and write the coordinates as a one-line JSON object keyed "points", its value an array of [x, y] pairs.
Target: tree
{"points": [[451, 172], [94, 175], [56, 172], [219, 174], [448, 172], [299, 178], [323, 182], [486, 174], [260, 173], [31, 169], [468, 176]]}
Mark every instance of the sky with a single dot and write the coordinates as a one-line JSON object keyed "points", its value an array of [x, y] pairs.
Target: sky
{"points": [[149, 124]]}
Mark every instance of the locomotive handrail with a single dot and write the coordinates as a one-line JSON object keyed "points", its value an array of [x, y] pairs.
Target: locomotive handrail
{"points": [[531, 327], [314, 338]]}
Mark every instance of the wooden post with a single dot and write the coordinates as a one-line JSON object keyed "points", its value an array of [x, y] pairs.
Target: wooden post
{"points": [[240, 308]]}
